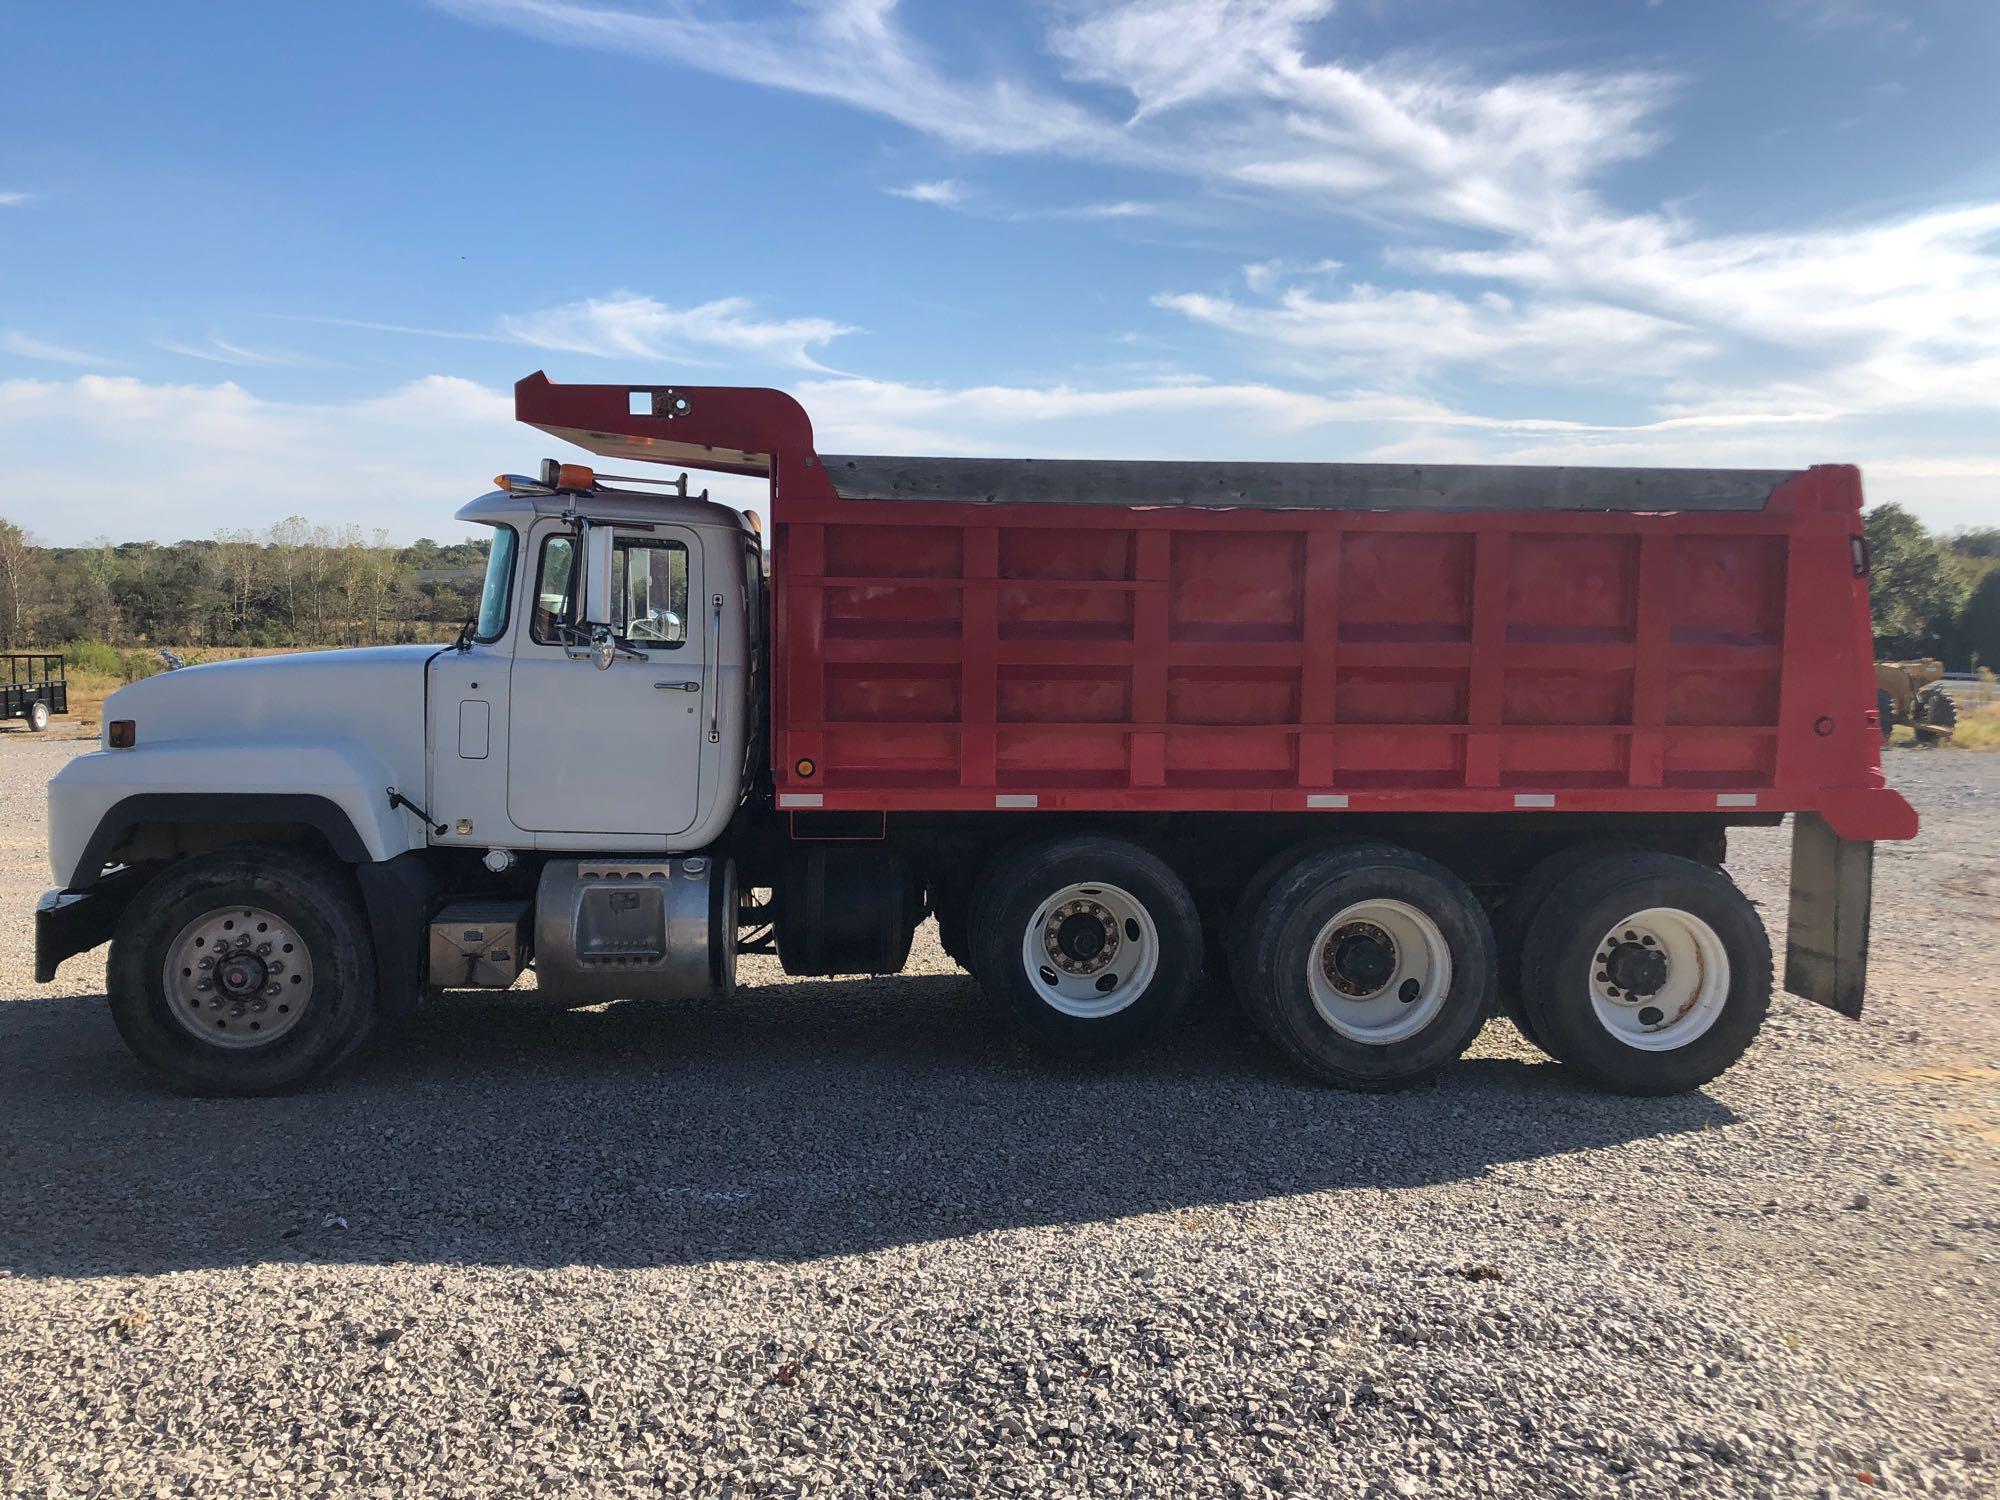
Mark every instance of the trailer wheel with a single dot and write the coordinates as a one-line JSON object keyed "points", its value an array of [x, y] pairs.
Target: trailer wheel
{"points": [[1647, 973], [38, 716], [1088, 946], [246, 971], [1370, 966], [1517, 914]]}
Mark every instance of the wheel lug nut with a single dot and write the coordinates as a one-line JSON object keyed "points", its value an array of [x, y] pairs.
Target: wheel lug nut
{"points": [[203, 984], [269, 990], [262, 949]]}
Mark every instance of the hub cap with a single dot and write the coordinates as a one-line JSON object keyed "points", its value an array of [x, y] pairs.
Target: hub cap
{"points": [[1379, 972], [1659, 979], [238, 976], [1090, 950]]}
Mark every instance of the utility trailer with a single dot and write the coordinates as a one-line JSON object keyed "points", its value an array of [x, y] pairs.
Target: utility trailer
{"points": [[37, 687], [1386, 748]]}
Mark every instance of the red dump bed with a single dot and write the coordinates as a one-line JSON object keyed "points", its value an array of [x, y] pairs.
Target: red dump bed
{"points": [[981, 634]]}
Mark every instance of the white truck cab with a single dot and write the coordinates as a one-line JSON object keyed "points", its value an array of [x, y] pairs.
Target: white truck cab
{"points": [[537, 737], [594, 723]]}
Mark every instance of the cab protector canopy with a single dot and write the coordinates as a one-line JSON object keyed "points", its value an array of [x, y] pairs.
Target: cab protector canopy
{"points": [[972, 634]]}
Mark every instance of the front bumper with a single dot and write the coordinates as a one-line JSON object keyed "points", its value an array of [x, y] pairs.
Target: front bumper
{"points": [[71, 922]]}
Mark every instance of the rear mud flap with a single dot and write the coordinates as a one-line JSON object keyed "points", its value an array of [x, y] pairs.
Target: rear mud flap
{"points": [[1826, 949]]}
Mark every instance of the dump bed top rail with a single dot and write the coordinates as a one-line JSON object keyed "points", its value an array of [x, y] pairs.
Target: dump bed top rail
{"points": [[745, 430], [1294, 486]]}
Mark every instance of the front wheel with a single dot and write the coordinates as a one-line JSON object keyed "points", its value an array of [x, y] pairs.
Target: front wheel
{"points": [[1087, 946], [1370, 966], [246, 971], [1647, 973]]}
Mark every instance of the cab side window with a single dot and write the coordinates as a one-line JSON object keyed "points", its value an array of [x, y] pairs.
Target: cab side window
{"points": [[649, 593]]}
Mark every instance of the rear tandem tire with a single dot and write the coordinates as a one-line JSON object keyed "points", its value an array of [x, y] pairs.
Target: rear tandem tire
{"points": [[1517, 914], [317, 910], [1115, 939], [1631, 1024], [1419, 940]]}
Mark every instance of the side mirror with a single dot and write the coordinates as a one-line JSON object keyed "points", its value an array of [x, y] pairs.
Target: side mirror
{"points": [[597, 582]]}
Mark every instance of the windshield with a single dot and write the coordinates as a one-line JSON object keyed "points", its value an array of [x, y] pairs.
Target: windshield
{"points": [[495, 596]]}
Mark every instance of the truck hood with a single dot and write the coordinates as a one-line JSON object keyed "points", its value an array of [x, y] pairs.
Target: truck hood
{"points": [[374, 693]]}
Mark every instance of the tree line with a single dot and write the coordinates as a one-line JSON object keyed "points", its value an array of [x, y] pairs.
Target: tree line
{"points": [[1934, 595], [295, 584]]}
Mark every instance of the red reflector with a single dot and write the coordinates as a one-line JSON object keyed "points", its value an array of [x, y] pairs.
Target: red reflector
{"points": [[123, 734]]}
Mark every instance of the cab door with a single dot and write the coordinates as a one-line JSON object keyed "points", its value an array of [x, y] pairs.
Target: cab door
{"points": [[614, 750]]}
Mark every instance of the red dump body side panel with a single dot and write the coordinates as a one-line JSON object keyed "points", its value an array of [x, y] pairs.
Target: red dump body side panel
{"points": [[945, 656]]}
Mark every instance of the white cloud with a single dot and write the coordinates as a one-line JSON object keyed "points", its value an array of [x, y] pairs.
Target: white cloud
{"points": [[119, 457], [944, 194], [852, 51], [1405, 334], [628, 326], [30, 347], [14, 200], [221, 351], [1223, 91]]}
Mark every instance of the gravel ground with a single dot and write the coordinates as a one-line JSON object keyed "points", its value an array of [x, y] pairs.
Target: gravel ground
{"points": [[840, 1237]]}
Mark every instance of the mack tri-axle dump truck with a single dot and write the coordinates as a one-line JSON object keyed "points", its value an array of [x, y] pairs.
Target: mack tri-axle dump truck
{"points": [[1386, 749]]}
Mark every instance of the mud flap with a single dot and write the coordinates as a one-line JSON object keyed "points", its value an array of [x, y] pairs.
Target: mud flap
{"points": [[1826, 948]]}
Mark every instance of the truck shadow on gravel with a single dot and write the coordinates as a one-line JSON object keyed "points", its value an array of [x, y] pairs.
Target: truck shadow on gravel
{"points": [[804, 1120]]}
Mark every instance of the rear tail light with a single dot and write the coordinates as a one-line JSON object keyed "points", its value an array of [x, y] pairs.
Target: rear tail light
{"points": [[122, 734]]}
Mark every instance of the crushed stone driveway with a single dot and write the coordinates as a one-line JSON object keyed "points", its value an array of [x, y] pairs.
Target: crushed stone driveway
{"points": [[842, 1237]]}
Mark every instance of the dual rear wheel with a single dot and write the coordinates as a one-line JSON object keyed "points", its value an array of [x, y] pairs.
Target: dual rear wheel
{"points": [[1373, 967]]}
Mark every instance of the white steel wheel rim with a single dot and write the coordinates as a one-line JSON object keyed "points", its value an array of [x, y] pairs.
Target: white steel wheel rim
{"points": [[1401, 986], [1090, 950], [38, 716], [1665, 1004], [238, 977]]}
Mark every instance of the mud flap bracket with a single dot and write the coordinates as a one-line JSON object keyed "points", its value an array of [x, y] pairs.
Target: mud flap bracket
{"points": [[1826, 947]]}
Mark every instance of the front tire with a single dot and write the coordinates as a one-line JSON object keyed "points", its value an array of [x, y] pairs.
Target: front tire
{"points": [[246, 971], [1371, 967], [1647, 973], [1087, 946]]}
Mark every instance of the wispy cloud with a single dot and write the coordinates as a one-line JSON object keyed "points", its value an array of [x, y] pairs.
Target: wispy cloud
{"points": [[30, 347], [15, 200], [945, 193], [221, 351], [1467, 174], [626, 325]]}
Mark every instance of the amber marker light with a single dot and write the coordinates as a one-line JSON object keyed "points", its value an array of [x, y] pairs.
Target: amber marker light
{"points": [[121, 734], [805, 768]]}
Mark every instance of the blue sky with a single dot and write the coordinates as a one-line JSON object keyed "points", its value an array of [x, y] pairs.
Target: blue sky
{"points": [[260, 260]]}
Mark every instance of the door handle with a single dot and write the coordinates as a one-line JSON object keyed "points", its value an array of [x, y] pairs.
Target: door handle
{"points": [[679, 687]]}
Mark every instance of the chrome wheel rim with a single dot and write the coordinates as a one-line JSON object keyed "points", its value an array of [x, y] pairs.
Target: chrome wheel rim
{"points": [[238, 977], [1659, 980], [1090, 950], [1379, 972]]}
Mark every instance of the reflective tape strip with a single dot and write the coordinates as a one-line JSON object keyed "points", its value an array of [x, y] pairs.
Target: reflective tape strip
{"points": [[1534, 799], [1736, 799], [1326, 799], [1016, 799], [801, 799]]}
